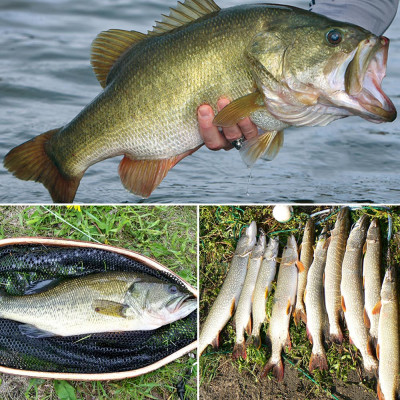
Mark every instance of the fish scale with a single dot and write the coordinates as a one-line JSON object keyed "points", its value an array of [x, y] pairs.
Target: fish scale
{"points": [[352, 293]]}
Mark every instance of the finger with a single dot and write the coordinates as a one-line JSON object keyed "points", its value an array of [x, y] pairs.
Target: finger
{"points": [[248, 128], [232, 132], [210, 134]]}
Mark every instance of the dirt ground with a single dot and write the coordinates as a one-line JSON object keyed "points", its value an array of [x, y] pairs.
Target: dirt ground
{"points": [[230, 383]]}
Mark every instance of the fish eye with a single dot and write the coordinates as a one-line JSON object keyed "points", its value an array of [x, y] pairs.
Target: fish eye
{"points": [[334, 37], [172, 289]]}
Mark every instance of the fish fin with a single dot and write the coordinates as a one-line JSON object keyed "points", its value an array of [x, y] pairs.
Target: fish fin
{"points": [[299, 315], [318, 361], [379, 392], [108, 47], [183, 14], [288, 342], [255, 341], [367, 322], [377, 351], [215, 342], [365, 248], [370, 347], [343, 304], [141, 177], [276, 367], [266, 293], [239, 350], [110, 308], [34, 332], [377, 308], [239, 109], [30, 162], [300, 266], [288, 307], [232, 309], [265, 146], [248, 326], [309, 336], [336, 337], [304, 295]]}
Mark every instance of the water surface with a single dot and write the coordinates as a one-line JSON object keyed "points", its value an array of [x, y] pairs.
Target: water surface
{"points": [[46, 79]]}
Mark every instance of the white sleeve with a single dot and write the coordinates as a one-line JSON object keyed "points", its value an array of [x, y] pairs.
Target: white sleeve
{"points": [[373, 15]]}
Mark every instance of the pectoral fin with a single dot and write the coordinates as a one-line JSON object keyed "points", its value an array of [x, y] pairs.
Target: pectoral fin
{"points": [[110, 308], [377, 308], [239, 109], [265, 146]]}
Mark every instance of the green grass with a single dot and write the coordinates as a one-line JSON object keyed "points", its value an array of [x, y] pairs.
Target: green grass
{"points": [[164, 233], [220, 229]]}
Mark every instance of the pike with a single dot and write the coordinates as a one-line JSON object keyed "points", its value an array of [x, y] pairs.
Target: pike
{"points": [[282, 66], [284, 301], [100, 302], [372, 278], [333, 273], [352, 293], [228, 297], [388, 348], [306, 258], [262, 289], [315, 304], [242, 317]]}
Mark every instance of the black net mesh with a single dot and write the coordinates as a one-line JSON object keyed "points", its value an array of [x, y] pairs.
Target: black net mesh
{"points": [[30, 268]]}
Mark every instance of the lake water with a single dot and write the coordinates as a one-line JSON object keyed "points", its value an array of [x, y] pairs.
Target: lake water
{"points": [[46, 79]]}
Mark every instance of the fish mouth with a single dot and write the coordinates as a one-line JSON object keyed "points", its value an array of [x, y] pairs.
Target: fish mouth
{"points": [[363, 80], [177, 303]]}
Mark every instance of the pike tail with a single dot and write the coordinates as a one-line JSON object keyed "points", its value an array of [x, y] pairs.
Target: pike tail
{"points": [[239, 350], [30, 162], [277, 369], [318, 360], [254, 340]]}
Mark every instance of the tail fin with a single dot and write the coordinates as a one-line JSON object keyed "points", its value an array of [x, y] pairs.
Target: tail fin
{"points": [[30, 162], [277, 369], [298, 315], [254, 340], [239, 350], [318, 361]]}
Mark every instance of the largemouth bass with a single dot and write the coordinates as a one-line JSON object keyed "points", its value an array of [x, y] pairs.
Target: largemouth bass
{"points": [[228, 297], [101, 302], [266, 275], [315, 304], [352, 293], [282, 65], [243, 312], [372, 277], [284, 301], [333, 273], [388, 349], [306, 258]]}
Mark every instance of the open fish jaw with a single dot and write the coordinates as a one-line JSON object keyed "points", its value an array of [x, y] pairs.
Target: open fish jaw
{"points": [[363, 80]]}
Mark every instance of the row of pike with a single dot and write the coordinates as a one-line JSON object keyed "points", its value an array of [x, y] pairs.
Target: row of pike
{"points": [[319, 287]]}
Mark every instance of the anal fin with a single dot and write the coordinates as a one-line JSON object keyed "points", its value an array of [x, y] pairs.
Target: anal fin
{"points": [[34, 332], [141, 177], [265, 146]]}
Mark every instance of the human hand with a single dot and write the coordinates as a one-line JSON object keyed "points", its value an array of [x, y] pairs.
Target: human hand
{"points": [[216, 140]]}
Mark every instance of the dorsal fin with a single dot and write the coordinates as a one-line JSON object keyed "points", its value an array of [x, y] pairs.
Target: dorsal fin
{"points": [[108, 47], [184, 13]]}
